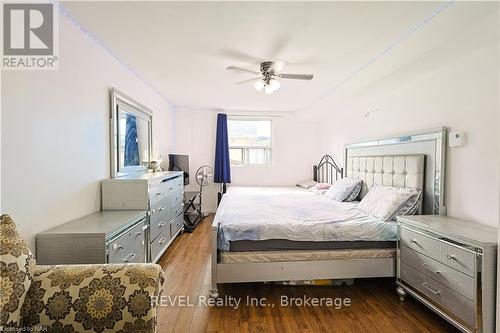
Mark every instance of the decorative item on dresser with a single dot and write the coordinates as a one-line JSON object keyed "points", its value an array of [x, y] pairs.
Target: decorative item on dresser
{"points": [[449, 265], [99, 238], [160, 194]]}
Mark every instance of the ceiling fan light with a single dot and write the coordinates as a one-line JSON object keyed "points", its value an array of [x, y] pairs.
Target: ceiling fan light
{"points": [[275, 84], [269, 89], [259, 85]]}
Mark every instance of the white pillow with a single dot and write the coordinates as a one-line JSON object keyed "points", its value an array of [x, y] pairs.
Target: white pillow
{"points": [[343, 189], [306, 183], [384, 202]]}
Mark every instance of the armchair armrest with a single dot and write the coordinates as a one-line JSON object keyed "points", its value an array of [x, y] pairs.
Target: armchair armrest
{"points": [[99, 298]]}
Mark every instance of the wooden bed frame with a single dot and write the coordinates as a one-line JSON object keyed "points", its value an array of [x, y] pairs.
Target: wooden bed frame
{"points": [[355, 166]]}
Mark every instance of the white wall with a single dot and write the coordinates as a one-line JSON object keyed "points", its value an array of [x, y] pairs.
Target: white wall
{"points": [[293, 152], [55, 133], [454, 85]]}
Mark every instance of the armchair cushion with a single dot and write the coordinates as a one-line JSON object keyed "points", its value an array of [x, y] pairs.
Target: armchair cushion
{"points": [[17, 265], [99, 298]]}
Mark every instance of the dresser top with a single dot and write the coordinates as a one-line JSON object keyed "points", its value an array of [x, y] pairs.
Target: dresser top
{"points": [[471, 232], [146, 176], [106, 223]]}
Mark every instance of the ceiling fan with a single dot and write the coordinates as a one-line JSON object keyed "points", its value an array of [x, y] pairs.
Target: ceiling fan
{"points": [[270, 72]]}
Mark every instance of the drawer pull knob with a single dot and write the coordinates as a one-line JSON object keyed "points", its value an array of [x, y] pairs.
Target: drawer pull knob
{"points": [[158, 194], [161, 208], [129, 257], [413, 241], [170, 188], [161, 224], [432, 290], [138, 234], [161, 241], [451, 257], [427, 267]]}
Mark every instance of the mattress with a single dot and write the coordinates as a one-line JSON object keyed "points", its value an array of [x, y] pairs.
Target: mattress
{"points": [[284, 244], [226, 257], [294, 214]]}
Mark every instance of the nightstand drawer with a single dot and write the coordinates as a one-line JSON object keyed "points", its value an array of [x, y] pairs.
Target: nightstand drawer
{"points": [[446, 253], [453, 302], [453, 279]]}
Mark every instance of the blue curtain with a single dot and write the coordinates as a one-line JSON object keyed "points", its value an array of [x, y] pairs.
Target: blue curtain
{"points": [[131, 153], [222, 172]]}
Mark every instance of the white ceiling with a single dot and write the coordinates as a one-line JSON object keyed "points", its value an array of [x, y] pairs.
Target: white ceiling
{"points": [[183, 48]]}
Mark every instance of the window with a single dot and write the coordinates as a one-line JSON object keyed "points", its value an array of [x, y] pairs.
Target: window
{"points": [[249, 141]]}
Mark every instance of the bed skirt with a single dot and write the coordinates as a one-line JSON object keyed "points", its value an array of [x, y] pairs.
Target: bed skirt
{"points": [[226, 257]]}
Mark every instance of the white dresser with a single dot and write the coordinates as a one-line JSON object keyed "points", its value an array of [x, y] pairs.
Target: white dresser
{"points": [[160, 194], [449, 265]]}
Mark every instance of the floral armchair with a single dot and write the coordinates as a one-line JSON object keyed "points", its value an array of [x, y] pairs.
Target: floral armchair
{"points": [[73, 298]]}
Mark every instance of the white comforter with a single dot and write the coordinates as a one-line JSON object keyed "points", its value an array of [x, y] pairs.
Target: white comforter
{"points": [[259, 213]]}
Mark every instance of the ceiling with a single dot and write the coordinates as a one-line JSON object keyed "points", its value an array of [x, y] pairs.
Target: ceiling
{"points": [[183, 48]]}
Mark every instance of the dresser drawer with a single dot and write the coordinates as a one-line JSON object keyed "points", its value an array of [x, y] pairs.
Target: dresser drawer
{"points": [[159, 211], [453, 279], [158, 226], [156, 194], [173, 185], [128, 248], [160, 242], [176, 205], [448, 254], [176, 224], [453, 302]]}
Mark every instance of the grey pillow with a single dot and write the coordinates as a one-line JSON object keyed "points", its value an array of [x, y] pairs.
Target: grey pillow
{"points": [[411, 206], [355, 192], [343, 189]]}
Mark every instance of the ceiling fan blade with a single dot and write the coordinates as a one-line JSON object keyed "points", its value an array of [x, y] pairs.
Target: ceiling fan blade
{"points": [[241, 56], [248, 80], [234, 68], [296, 76]]}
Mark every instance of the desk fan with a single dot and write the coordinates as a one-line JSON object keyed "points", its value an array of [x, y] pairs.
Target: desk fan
{"points": [[192, 213]]}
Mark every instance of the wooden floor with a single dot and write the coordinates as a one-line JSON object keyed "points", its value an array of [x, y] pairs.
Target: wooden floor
{"points": [[374, 304]]}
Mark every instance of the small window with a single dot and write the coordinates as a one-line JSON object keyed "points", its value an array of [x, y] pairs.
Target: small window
{"points": [[249, 141]]}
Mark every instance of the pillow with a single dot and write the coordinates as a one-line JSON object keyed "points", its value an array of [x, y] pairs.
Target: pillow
{"points": [[386, 202], [17, 268], [343, 189], [411, 206], [320, 188], [355, 192], [307, 184]]}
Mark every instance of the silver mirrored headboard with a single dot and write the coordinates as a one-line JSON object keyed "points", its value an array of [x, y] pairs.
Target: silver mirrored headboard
{"points": [[430, 145], [131, 138]]}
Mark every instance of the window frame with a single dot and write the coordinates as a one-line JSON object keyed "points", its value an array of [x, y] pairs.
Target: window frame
{"points": [[245, 149]]}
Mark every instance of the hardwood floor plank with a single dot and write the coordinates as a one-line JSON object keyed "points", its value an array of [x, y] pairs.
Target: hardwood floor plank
{"points": [[374, 303]]}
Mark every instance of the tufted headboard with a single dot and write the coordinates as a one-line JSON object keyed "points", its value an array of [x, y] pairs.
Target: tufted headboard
{"points": [[390, 170]]}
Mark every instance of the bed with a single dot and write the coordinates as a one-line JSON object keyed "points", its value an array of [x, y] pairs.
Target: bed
{"points": [[289, 233]]}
